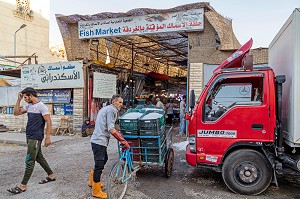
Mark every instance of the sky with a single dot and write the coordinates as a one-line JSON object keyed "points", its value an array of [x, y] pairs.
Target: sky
{"points": [[257, 19]]}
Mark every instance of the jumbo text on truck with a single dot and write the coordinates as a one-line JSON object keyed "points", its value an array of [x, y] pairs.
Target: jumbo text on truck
{"points": [[246, 122]]}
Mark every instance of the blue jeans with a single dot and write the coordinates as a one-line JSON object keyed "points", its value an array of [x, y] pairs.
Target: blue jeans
{"points": [[182, 124]]}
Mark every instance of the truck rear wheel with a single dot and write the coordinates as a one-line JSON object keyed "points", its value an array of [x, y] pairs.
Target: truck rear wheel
{"points": [[247, 172]]}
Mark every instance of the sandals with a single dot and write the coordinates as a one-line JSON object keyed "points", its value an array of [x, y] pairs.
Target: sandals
{"points": [[16, 190], [46, 180]]}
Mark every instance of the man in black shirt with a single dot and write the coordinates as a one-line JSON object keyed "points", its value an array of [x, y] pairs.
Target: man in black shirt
{"points": [[38, 115]]}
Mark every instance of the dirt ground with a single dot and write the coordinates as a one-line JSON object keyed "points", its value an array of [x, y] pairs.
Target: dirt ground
{"points": [[72, 159]]}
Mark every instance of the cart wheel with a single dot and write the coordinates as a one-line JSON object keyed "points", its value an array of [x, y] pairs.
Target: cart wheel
{"points": [[169, 162], [115, 186]]}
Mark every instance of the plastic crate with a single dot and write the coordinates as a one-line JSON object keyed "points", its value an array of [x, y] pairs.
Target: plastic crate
{"points": [[153, 154], [134, 148], [128, 132], [153, 142], [152, 132], [154, 110], [129, 122], [147, 124]]}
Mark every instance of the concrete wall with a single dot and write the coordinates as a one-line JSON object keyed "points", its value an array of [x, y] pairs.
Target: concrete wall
{"points": [[18, 123], [203, 49]]}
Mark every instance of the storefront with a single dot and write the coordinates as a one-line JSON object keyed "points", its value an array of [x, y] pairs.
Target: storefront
{"points": [[60, 86]]}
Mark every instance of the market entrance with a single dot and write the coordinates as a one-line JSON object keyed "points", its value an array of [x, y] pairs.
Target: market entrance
{"points": [[149, 53]]}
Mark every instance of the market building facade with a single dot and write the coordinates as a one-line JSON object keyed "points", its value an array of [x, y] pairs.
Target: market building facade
{"points": [[126, 56]]}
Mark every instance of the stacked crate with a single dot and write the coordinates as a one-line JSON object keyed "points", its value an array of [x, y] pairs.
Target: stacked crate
{"points": [[129, 121], [144, 129], [152, 132]]}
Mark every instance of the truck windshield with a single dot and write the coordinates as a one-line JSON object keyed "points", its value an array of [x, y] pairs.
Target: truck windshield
{"points": [[231, 92]]}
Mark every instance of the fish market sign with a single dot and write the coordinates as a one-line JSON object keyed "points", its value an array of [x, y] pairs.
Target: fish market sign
{"points": [[189, 20], [56, 75]]}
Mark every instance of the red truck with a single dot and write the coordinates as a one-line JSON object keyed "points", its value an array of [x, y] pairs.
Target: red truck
{"points": [[238, 126]]}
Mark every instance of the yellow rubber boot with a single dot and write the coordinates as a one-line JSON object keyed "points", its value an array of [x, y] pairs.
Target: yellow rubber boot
{"points": [[90, 182], [97, 191]]}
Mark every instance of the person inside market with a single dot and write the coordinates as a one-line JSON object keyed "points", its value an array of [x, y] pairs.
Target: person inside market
{"points": [[151, 101], [38, 115], [87, 128], [105, 103], [182, 107], [159, 103], [104, 127], [169, 111]]}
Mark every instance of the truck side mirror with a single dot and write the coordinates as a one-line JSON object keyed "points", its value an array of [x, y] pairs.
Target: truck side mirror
{"points": [[192, 99], [248, 62]]}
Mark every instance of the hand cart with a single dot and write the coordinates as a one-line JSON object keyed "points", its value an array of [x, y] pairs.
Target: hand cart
{"points": [[144, 150]]}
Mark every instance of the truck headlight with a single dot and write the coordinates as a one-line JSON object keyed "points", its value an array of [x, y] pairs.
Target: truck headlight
{"points": [[192, 143]]}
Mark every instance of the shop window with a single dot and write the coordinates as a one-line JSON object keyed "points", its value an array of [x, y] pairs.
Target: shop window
{"points": [[59, 101]]}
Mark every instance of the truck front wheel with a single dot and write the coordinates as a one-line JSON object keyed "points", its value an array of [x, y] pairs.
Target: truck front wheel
{"points": [[247, 172]]}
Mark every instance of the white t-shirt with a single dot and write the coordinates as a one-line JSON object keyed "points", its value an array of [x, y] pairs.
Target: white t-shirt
{"points": [[160, 104], [169, 107], [182, 107]]}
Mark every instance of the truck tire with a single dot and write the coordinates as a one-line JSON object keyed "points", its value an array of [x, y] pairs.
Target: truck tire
{"points": [[247, 172]]}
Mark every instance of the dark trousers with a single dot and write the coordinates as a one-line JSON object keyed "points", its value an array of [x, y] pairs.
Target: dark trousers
{"points": [[100, 158], [169, 119], [34, 153]]}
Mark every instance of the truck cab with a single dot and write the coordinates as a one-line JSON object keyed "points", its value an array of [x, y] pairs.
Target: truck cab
{"points": [[233, 124], [235, 109]]}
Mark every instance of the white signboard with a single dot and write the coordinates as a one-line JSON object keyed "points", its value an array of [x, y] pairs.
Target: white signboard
{"points": [[55, 75], [189, 20], [105, 85]]}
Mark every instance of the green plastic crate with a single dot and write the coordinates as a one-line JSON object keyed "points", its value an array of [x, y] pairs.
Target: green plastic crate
{"points": [[151, 125], [129, 121]]}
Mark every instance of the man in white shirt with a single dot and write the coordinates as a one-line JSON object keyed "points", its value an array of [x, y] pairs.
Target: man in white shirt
{"points": [[159, 103]]}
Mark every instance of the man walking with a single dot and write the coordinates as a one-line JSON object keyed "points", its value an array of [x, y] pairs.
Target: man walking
{"points": [[38, 114], [105, 125], [182, 107]]}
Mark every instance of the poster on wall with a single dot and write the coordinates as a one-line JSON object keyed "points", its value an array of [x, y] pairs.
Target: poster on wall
{"points": [[55, 75], [9, 95], [104, 85], [54, 96], [188, 20]]}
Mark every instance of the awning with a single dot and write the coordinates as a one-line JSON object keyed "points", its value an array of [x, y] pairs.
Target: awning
{"points": [[12, 73]]}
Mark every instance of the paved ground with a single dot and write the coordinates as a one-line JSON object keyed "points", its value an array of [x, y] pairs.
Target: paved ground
{"points": [[71, 158], [20, 138]]}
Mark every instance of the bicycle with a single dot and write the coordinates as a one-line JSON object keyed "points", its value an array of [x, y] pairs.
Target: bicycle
{"points": [[124, 170], [121, 172]]}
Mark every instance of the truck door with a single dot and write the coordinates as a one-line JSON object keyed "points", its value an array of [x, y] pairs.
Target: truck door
{"points": [[234, 110]]}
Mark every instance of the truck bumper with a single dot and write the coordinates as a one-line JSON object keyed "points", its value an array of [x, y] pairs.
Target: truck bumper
{"points": [[191, 158]]}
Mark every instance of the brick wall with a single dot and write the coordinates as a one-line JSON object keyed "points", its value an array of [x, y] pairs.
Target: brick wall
{"points": [[77, 109], [17, 123], [203, 49], [196, 78]]}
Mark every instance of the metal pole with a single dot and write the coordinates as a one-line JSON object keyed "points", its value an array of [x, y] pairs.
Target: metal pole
{"points": [[15, 50], [97, 51], [15, 45], [131, 77]]}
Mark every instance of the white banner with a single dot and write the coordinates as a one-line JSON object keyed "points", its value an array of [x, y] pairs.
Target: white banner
{"points": [[105, 85], [54, 75], [189, 20]]}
